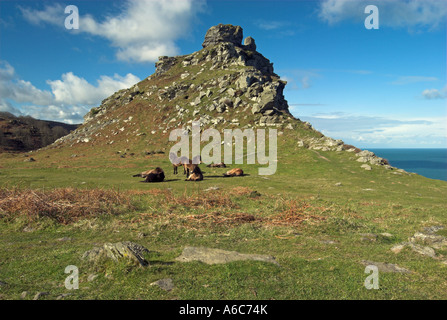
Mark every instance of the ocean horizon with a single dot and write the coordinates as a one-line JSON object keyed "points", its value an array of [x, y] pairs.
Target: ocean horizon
{"points": [[427, 162]]}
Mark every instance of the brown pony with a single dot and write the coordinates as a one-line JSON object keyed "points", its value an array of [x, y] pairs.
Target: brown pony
{"points": [[217, 165], [234, 173], [154, 175], [196, 175], [188, 165]]}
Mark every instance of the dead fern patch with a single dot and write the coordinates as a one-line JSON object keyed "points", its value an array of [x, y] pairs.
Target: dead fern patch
{"points": [[295, 212], [64, 205]]}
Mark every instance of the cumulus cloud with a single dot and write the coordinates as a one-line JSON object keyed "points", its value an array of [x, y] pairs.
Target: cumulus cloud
{"points": [[69, 99], [143, 31], [381, 131], [52, 14], [74, 90], [432, 94], [404, 13]]}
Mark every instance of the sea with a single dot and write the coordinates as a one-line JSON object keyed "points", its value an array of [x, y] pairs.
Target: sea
{"points": [[430, 163]]}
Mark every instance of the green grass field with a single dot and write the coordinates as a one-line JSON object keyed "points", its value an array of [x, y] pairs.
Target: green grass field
{"points": [[315, 229]]}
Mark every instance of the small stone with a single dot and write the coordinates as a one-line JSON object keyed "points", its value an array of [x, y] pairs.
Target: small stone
{"points": [[217, 256], [386, 267], [63, 295], [64, 239], [164, 284], [366, 167], [211, 189], [425, 251], [23, 295], [386, 235], [141, 235], [369, 237], [28, 229], [398, 248], [40, 294], [92, 277], [338, 184]]}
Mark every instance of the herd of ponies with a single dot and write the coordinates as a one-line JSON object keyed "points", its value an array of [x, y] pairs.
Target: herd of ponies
{"points": [[190, 169]]}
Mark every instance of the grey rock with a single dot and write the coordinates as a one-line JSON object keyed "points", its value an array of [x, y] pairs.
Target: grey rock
{"points": [[369, 237], [256, 108], [269, 112], [366, 167], [164, 284], [425, 251], [386, 267], [386, 235], [218, 256], [433, 229], [40, 294], [92, 277], [212, 189], [63, 295], [398, 247], [432, 240], [117, 251], [23, 294], [64, 239], [223, 33], [164, 64], [250, 44]]}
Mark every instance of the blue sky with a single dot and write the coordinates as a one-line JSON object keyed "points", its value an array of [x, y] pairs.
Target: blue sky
{"points": [[371, 88]]}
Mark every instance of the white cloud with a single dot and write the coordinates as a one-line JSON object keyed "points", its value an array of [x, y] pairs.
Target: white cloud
{"points": [[431, 94], [19, 90], [403, 13], [271, 25], [74, 90], [413, 79], [143, 31], [381, 131], [70, 98], [53, 14]]}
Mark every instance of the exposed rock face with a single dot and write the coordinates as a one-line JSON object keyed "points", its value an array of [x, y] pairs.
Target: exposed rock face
{"points": [[223, 33], [164, 64]]}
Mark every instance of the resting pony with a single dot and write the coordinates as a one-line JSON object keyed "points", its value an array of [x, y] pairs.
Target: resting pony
{"points": [[196, 175], [236, 172], [154, 175]]}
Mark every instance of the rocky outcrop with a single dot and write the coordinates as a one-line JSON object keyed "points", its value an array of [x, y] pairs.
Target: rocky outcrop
{"points": [[164, 64], [223, 33]]}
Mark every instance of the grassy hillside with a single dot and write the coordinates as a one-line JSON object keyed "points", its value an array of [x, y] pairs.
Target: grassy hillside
{"points": [[318, 232], [321, 215]]}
